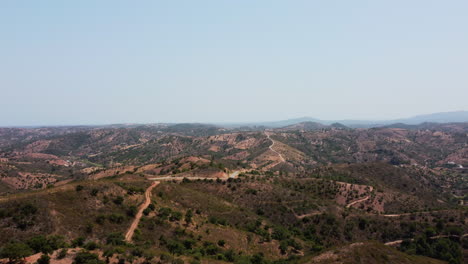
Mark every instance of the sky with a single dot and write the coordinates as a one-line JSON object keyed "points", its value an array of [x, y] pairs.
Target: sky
{"points": [[107, 62]]}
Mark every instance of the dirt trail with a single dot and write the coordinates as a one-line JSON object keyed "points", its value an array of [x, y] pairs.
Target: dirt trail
{"points": [[398, 242], [271, 147], [136, 221], [415, 213], [307, 215], [232, 175], [361, 200], [358, 201]]}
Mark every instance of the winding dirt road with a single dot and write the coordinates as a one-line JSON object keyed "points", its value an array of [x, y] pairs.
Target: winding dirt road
{"points": [[361, 200], [271, 147], [358, 201], [136, 221]]}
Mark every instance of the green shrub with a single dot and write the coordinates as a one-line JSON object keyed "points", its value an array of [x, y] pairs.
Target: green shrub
{"points": [[116, 239], [85, 257], [44, 259]]}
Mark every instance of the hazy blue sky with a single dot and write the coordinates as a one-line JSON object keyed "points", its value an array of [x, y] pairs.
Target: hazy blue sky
{"points": [[100, 62]]}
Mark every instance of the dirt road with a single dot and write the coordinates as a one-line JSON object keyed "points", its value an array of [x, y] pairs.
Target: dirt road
{"points": [[233, 175], [414, 213], [272, 145], [358, 201], [398, 242], [136, 221]]}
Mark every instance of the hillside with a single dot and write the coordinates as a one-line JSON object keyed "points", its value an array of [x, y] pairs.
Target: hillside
{"points": [[288, 195]]}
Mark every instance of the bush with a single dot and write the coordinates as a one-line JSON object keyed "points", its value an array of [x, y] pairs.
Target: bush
{"points": [[78, 242], [89, 228], [87, 258], [280, 233], [147, 211], [62, 253], [79, 188], [188, 216], [28, 209], [39, 244], [100, 219], [175, 247], [132, 211], [116, 239], [91, 245], [118, 200], [44, 244], [116, 218], [94, 192], [44, 259], [175, 216]]}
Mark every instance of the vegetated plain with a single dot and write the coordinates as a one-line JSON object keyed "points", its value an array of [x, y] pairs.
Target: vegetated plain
{"points": [[304, 193]]}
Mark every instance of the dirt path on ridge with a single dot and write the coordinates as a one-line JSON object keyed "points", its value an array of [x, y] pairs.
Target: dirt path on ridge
{"points": [[358, 201], [271, 147], [136, 221]]}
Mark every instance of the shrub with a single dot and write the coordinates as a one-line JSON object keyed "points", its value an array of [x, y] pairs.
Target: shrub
{"points": [[89, 228], [94, 192], [188, 216], [146, 211], [44, 259], [44, 244], [91, 245], [132, 211], [100, 219], [62, 253], [116, 218], [84, 257], [78, 242], [116, 239], [175, 216], [118, 200]]}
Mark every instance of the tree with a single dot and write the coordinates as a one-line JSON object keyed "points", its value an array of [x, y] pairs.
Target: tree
{"points": [[44, 259], [85, 257], [132, 211], [118, 200], [15, 251], [39, 244], [116, 239], [188, 216], [221, 243]]}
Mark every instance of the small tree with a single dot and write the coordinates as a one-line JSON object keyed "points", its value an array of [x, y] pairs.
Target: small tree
{"points": [[188, 216], [85, 257], [221, 243], [44, 259], [15, 251]]}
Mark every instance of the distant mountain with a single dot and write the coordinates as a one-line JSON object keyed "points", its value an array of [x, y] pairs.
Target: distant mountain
{"points": [[445, 117], [306, 126], [272, 124]]}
